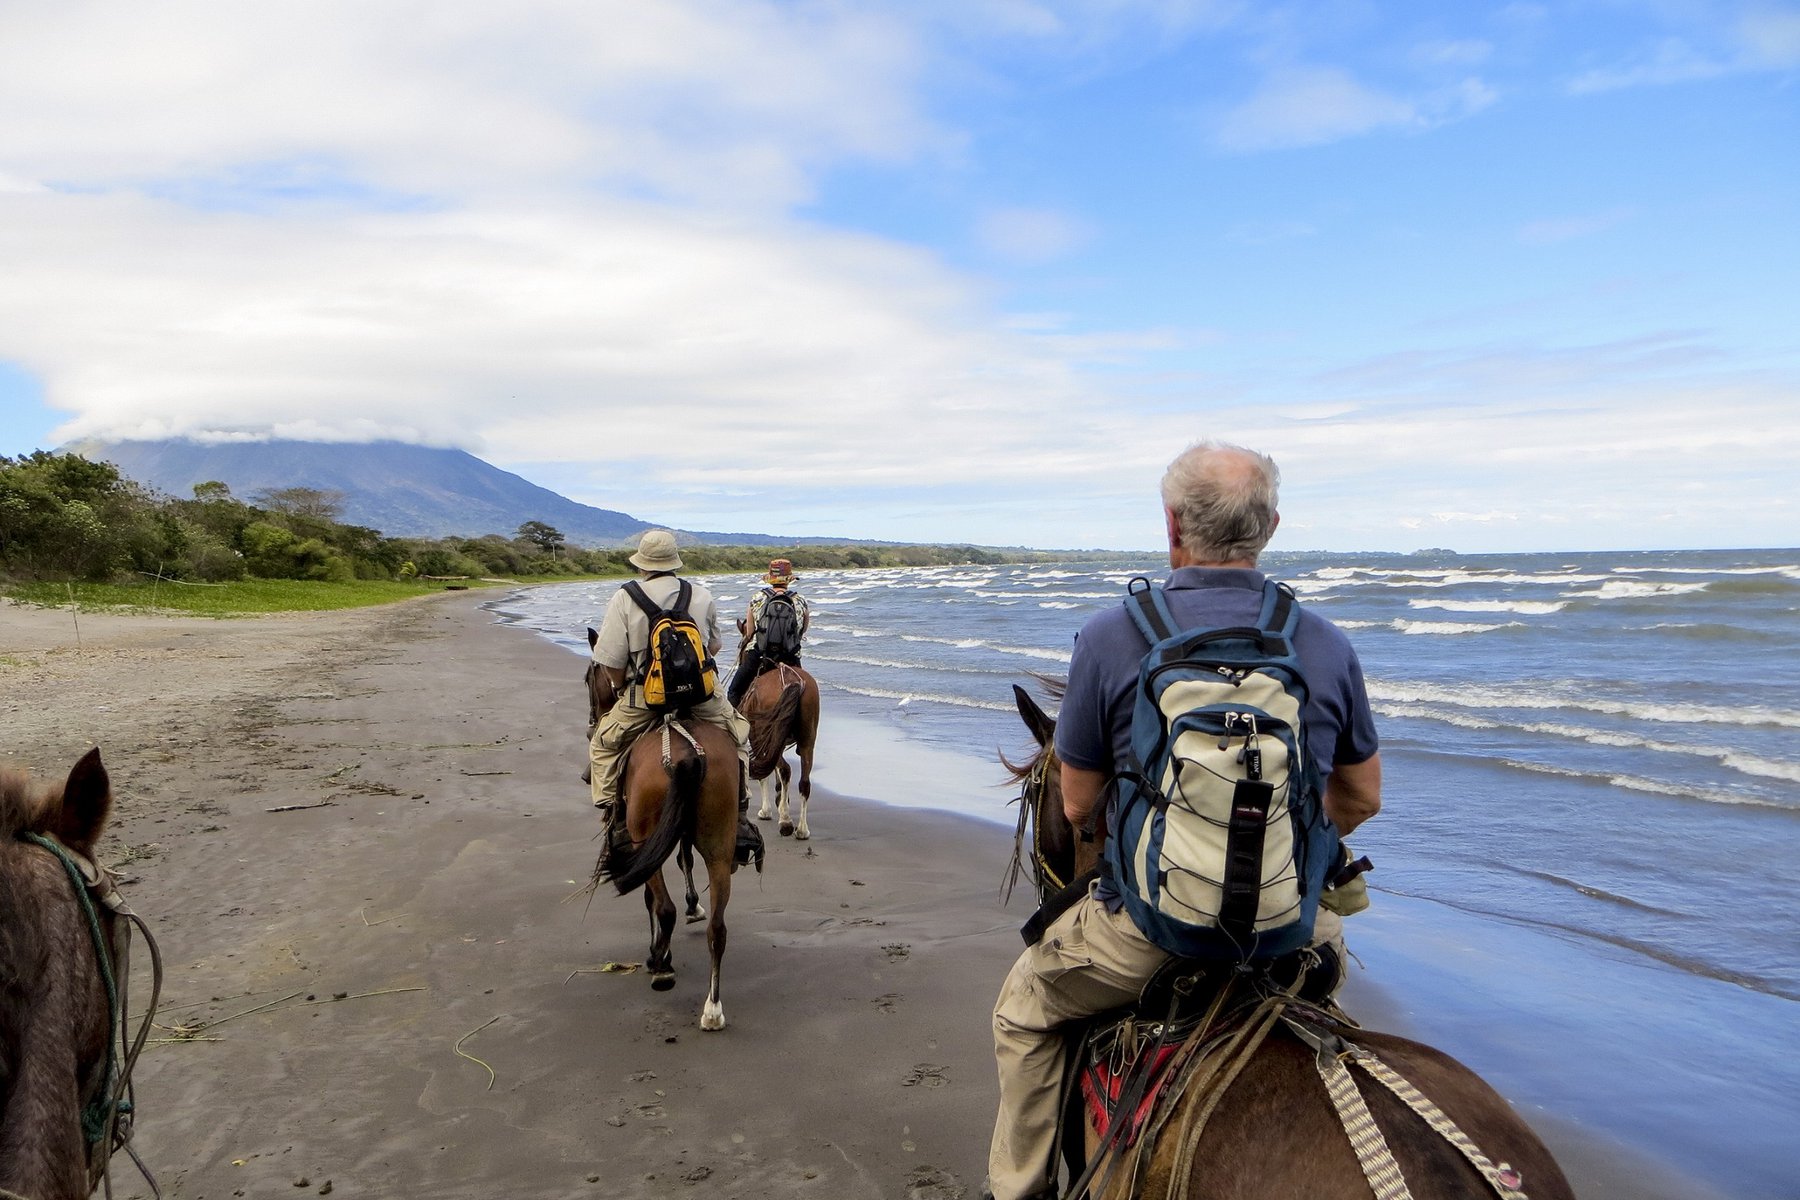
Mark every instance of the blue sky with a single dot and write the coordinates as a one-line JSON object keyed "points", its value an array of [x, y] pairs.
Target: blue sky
{"points": [[1493, 276]]}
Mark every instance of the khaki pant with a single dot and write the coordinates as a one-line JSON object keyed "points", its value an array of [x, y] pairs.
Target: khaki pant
{"points": [[1088, 961], [619, 728]]}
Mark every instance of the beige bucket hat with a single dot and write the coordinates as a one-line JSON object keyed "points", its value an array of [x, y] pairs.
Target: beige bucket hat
{"points": [[656, 552]]}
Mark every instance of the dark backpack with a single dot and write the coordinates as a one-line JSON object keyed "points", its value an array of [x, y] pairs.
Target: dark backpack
{"points": [[679, 674], [778, 627], [1221, 844]]}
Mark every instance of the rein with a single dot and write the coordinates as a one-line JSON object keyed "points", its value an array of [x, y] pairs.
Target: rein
{"points": [[1379, 1167], [668, 760], [1030, 792], [106, 1120]]}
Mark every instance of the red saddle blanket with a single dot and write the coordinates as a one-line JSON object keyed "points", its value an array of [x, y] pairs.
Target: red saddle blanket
{"points": [[1102, 1088]]}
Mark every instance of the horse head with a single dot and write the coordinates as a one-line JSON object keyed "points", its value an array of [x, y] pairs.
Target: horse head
{"points": [[62, 1102], [600, 690], [1044, 841]]}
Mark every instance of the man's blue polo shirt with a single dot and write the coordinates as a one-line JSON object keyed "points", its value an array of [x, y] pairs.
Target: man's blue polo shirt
{"points": [[1093, 729]]}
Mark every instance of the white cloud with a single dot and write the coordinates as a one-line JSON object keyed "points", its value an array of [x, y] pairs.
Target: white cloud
{"points": [[1771, 36], [526, 332], [1031, 235], [1763, 37], [1309, 105], [1671, 60], [1304, 106], [1464, 52], [1551, 230], [686, 98]]}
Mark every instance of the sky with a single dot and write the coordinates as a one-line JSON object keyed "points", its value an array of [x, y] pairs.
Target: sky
{"points": [[1484, 276]]}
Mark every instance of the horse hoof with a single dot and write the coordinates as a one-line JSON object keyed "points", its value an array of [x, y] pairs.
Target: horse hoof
{"points": [[764, 815], [712, 1017], [787, 829], [662, 981], [695, 915], [801, 833]]}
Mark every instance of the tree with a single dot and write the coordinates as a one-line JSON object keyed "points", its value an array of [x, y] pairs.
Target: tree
{"points": [[543, 536], [212, 489], [320, 504]]}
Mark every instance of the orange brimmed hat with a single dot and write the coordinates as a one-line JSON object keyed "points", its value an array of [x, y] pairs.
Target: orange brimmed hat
{"points": [[780, 571]]}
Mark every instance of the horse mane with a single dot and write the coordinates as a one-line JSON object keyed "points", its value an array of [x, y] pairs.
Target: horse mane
{"points": [[1054, 686], [24, 805], [1019, 772]]}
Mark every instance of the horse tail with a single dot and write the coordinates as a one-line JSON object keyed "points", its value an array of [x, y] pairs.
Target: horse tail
{"points": [[772, 732], [630, 870]]}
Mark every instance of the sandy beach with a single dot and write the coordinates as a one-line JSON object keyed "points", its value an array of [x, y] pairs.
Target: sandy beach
{"points": [[431, 890]]}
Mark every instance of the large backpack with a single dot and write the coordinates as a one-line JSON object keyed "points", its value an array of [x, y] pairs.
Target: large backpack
{"points": [[778, 627], [1221, 844], [679, 674]]}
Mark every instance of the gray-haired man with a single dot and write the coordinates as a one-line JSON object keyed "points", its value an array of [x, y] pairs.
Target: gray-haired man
{"points": [[1219, 504]]}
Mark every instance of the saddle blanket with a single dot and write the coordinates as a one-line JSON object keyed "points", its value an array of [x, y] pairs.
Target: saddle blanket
{"points": [[1102, 1088]]}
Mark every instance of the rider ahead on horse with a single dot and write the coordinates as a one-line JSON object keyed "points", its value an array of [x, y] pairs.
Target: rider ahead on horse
{"points": [[772, 635], [622, 650]]}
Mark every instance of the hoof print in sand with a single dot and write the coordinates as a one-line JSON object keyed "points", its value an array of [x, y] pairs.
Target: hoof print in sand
{"points": [[896, 951], [926, 1075], [886, 1003], [930, 1183]]}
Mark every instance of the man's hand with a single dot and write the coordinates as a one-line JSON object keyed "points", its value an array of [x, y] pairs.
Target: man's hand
{"points": [[1353, 793]]}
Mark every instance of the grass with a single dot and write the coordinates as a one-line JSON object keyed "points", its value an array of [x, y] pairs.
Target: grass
{"points": [[241, 598]]}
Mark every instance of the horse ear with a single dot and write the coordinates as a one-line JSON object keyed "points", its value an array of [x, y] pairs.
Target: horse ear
{"points": [[593, 636], [1041, 724], [86, 803]]}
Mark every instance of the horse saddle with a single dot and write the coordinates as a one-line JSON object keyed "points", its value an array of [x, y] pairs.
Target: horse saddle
{"points": [[1127, 1055]]}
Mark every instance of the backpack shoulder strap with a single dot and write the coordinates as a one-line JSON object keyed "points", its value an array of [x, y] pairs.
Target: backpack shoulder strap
{"points": [[682, 597], [1150, 609], [1280, 610], [635, 590]]}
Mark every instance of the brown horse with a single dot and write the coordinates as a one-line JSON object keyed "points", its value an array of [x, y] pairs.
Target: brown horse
{"points": [[680, 794], [65, 1057], [600, 697], [1263, 1124], [782, 707]]}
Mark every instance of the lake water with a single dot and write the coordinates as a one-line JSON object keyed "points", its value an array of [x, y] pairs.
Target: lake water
{"points": [[1588, 861]]}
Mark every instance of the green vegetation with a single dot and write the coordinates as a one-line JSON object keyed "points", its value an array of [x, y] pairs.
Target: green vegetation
{"points": [[72, 529], [238, 598]]}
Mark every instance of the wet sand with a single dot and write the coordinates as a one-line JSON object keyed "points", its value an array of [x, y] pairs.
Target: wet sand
{"points": [[432, 891]]}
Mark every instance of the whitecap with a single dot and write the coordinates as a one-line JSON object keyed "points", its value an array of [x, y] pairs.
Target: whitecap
{"points": [[1526, 607], [1567, 695], [1626, 589], [1728, 756]]}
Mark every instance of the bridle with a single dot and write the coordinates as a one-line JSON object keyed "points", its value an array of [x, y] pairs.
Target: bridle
{"points": [[106, 1119], [1031, 794]]}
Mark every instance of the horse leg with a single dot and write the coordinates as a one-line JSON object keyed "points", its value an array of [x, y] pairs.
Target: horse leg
{"points": [[762, 794], [685, 858], [787, 818], [801, 832], [718, 872], [662, 926]]}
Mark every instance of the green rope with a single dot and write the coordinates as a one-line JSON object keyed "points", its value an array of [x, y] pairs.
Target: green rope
{"points": [[97, 1115]]}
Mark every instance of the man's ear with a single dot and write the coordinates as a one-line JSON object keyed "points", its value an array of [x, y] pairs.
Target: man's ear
{"points": [[1174, 524]]}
